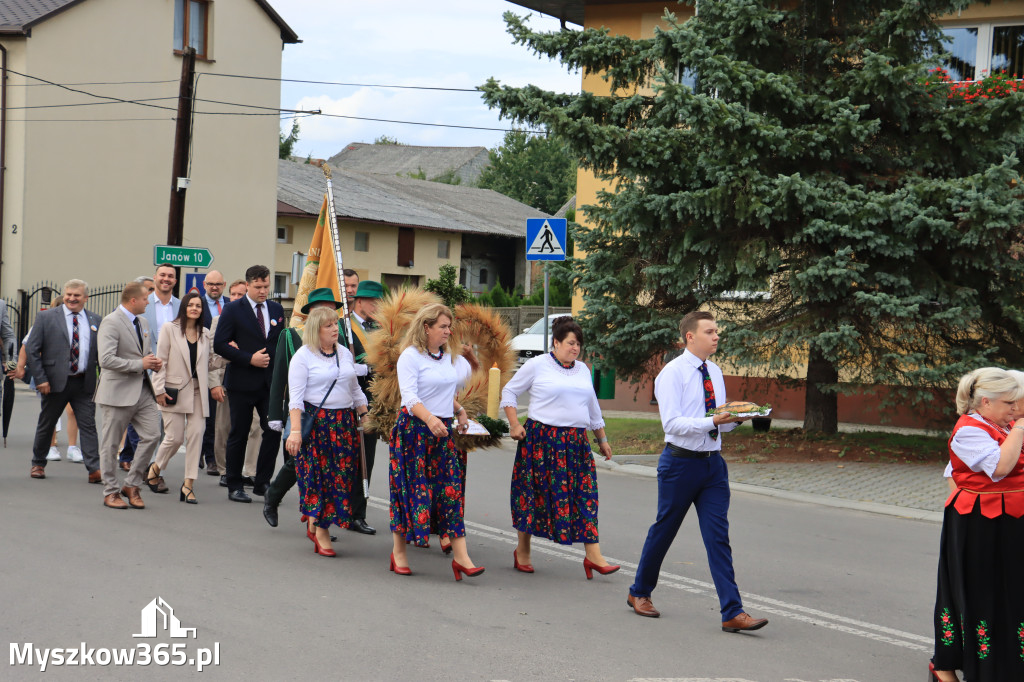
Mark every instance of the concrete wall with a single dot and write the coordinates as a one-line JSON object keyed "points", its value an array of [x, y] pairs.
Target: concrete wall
{"points": [[90, 197]]}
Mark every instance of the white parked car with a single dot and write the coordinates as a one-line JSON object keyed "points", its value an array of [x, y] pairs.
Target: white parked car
{"points": [[531, 341]]}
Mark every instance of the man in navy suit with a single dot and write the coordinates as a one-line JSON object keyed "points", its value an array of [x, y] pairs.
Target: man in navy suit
{"points": [[247, 337]]}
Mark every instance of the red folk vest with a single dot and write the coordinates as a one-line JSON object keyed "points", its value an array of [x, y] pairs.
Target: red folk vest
{"points": [[997, 497]]}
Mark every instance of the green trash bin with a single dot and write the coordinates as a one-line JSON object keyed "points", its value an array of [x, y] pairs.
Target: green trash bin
{"points": [[604, 383]]}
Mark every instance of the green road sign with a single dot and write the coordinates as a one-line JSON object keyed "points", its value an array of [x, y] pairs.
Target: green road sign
{"points": [[183, 256]]}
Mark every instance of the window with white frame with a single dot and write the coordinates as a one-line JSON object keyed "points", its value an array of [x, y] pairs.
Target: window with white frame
{"points": [[282, 283], [444, 248], [362, 241], [977, 49]]}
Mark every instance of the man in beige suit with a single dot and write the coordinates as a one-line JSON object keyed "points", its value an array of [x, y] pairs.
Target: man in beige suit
{"points": [[223, 415], [125, 395]]}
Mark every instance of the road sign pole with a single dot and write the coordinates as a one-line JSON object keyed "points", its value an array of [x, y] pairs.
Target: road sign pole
{"points": [[545, 306]]}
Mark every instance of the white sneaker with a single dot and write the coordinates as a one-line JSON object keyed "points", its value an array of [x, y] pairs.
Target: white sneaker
{"points": [[74, 453], [54, 454]]}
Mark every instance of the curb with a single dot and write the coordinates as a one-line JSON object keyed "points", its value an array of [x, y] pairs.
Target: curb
{"points": [[806, 498]]}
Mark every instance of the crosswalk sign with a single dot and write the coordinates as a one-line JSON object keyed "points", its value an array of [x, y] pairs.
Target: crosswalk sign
{"points": [[545, 238]]}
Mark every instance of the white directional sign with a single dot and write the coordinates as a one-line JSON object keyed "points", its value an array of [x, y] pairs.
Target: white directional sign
{"points": [[545, 238]]}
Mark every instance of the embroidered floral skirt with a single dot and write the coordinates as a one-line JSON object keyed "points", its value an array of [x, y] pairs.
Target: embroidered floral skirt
{"points": [[327, 467], [979, 607], [426, 479], [554, 485]]}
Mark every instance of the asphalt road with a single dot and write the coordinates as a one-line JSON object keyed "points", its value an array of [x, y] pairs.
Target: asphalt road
{"points": [[849, 594]]}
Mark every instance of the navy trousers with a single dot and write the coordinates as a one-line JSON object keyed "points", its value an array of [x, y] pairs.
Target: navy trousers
{"points": [[703, 483]]}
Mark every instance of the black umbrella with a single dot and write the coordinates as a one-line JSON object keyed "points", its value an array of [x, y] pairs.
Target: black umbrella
{"points": [[8, 406]]}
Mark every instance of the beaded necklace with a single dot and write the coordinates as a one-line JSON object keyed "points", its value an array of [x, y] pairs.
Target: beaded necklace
{"points": [[440, 354], [328, 355], [564, 366]]}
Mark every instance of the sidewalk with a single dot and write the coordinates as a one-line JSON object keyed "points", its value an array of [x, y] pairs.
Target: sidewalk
{"points": [[906, 490]]}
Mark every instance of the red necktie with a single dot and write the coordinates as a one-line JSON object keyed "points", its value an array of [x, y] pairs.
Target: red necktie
{"points": [[259, 316], [218, 306], [709, 394]]}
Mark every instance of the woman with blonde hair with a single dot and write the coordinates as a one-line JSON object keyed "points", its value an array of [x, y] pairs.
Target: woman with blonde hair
{"points": [[979, 607], [322, 383], [426, 468]]}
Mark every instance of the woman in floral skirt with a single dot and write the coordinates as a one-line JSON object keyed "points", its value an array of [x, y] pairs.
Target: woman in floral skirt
{"points": [[426, 476], [327, 464], [554, 480], [979, 607]]}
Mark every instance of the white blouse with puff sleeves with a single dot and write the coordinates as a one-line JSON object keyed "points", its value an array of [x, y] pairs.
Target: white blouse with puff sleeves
{"points": [[310, 375], [431, 382], [558, 396]]}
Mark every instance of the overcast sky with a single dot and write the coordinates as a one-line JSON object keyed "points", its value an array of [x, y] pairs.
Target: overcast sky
{"points": [[448, 43]]}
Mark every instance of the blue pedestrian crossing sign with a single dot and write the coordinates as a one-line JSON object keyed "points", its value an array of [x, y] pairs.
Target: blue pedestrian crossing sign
{"points": [[545, 238]]}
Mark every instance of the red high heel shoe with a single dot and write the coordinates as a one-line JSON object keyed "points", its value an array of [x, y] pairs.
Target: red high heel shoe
{"points": [[525, 568], [304, 518], [322, 551], [399, 569], [458, 569], [447, 549], [589, 566]]}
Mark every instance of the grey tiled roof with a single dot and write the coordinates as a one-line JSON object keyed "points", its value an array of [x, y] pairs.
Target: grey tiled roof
{"points": [[18, 16], [404, 159], [404, 201]]}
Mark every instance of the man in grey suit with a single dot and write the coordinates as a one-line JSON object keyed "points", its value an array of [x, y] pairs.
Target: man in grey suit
{"points": [[61, 354], [126, 395]]}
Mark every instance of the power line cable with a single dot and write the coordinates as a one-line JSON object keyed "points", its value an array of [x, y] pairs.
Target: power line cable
{"points": [[351, 85], [271, 111], [37, 85], [86, 104]]}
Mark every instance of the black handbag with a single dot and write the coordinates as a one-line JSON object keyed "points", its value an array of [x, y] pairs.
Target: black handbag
{"points": [[172, 395], [309, 419]]}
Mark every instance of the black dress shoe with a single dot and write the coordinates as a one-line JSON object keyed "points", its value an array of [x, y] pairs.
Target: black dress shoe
{"points": [[201, 463], [260, 489], [213, 471], [248, 481], [223, 481], [270, 513], [360, 526], [239, 496]]}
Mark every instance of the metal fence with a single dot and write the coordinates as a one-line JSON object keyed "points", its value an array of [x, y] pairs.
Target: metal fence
{"points": [[524, 316], [27, 303]]}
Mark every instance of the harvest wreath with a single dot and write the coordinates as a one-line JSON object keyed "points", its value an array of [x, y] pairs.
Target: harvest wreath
{"points": [[476, 326]]}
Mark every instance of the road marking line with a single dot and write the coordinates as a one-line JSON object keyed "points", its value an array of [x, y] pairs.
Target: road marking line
{"points": [[804, 614]]}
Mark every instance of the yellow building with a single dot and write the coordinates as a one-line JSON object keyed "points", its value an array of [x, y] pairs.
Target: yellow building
{"points": [[88, 129]]}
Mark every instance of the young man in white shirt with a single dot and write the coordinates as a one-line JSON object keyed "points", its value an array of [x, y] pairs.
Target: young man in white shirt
{"points": [[691, 471]]}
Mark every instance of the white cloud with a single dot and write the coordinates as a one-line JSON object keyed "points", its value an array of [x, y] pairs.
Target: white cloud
{"points": [[454, 43]]}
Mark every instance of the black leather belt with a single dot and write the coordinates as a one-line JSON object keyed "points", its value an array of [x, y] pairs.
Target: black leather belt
{"points": [[677, 451]]}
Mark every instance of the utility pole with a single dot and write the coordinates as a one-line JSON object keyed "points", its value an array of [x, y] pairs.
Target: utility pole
{"points": [[179, 163]]}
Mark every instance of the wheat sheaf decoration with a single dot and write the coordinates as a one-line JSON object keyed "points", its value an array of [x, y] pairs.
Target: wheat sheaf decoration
{"points": [[476, 326]]}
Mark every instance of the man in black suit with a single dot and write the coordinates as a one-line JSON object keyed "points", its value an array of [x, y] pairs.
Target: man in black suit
{"points": [[62, 356], [247, 337]]}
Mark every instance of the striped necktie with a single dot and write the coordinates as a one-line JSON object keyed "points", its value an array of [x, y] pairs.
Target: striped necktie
{"points": [[76, 343]]}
